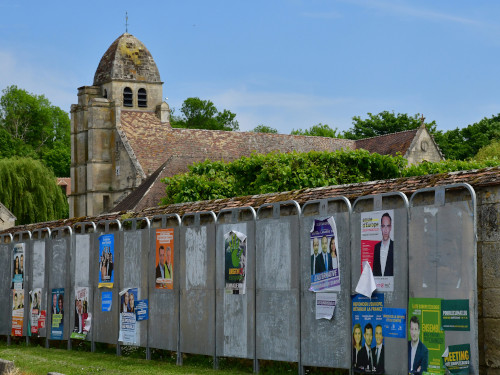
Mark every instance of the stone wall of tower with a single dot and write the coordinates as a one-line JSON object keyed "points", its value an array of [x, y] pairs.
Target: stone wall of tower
{"points": [[102, 168]]}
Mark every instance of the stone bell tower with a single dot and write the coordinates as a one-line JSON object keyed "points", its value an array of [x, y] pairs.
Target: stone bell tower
{"points": [[104, 168]]}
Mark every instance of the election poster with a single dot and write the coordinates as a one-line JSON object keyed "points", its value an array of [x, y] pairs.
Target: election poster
{"points": [[455, 315], [18, 266], [377, 246], [235, 255], [128, 321], [37, 315], [325, 305], [17, 312], [81, 326], [106, 260], [394, 322], [325, 265], [367, 332], [57, 312], [426, 343], [164, 259], [456, 359]]}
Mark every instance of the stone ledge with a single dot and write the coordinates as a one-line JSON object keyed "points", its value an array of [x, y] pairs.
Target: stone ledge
{"points": [[6, 366]]}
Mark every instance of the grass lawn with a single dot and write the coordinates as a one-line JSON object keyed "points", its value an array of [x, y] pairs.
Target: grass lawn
{"points": [[35, 359]]}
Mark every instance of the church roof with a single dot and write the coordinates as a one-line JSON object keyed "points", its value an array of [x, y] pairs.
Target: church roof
{"points": [[127, 59], [388, 144]]}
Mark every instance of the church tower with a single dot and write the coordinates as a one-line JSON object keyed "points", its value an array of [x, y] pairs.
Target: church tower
{"points": [[104, 168]]}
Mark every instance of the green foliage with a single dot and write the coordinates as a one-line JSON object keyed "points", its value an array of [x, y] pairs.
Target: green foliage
{"points": [[276, 172], [202, 114], [488, 152], [29, 190], [30, 126], [385, 123], [264, 129], [319, 130], [446, 166], [461, 144]]}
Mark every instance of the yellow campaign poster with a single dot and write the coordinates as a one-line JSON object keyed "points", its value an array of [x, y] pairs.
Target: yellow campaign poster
{"points": [[164, 277]]}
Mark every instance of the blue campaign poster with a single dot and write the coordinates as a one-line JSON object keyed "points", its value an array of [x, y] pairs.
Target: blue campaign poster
{"points": [[106, 301], [394, 322], [57, 314], [106, 260], [141, 310]]}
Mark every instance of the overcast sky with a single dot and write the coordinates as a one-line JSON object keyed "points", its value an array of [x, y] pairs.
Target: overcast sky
{"points": [[287, 64]]}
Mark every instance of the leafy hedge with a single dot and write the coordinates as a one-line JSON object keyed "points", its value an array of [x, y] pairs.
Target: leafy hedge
{"points": [[277, 172]]}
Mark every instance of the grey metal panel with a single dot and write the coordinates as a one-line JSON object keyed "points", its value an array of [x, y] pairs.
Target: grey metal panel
{"points": [[442, 254], [395, 353], [134, 263], [277, 284], [59, 254], [197, 286], [323, 342], [106, 323], [235, 327], [5, 284], [163, 326], [38, 270], [82, 271]]}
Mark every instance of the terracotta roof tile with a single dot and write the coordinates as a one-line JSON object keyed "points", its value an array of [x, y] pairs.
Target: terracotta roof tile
{"points": [[389, 144]]}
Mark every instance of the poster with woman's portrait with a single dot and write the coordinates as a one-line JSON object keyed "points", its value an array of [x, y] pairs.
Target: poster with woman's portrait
{"points": [[81, 325], [128, 320], [106, 260], [235, 250], [325, 265], [18, 266], [17, 312], [37, 315], [164, 272]]}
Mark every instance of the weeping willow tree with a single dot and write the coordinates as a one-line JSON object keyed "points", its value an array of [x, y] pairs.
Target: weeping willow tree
{"points": [[30, 191]]}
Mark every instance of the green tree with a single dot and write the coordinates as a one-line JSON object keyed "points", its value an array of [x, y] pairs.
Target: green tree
{"points": [[202, 114], [35, 126], [488, 152], [385, 123], [461, 144], [319, 130], [29, 190], [264, 129]]}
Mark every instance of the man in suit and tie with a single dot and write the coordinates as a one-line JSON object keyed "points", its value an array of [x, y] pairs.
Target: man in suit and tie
{"points": [[315, 261], [378, 351], [418, 354], [365, 355], [325, 259], [383, 254]]}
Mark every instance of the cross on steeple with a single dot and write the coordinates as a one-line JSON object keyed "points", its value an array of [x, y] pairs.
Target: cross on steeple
{"points": [[126, 22], [422, 119]]}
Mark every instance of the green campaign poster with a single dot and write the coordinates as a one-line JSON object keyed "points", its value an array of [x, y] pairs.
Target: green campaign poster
{"points": [[455, 315], [457, 359], [426, 345]]}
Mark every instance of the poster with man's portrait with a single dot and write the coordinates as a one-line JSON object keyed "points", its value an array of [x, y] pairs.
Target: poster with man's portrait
{"points": [[235, 255], [377, 246], [81, 325], [164, 271], [18, 266], [106, 260], [57, 314], [325, 265]]}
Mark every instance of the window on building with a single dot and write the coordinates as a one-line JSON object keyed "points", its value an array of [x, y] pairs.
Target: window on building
{"points": [[142, 98], [106, 202], [105, 94], [127, 97]]}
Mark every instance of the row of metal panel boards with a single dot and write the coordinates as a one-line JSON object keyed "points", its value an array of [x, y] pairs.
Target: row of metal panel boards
{"points": [[433, 232]]}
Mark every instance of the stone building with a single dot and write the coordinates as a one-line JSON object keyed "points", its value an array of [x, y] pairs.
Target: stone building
{"points": [[122, 141], [7, 218]]}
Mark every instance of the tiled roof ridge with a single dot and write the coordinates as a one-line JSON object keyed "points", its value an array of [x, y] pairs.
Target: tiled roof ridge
{"points": [[477, 178], [389, 134]]}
